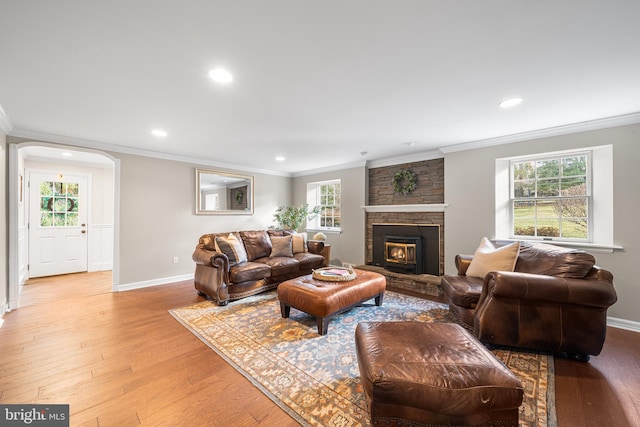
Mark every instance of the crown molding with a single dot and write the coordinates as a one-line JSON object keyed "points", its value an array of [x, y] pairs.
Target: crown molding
{"points": [[634, 118], [343, 166], [408, 158], [5, 122], [85, 143], [609, 122]]}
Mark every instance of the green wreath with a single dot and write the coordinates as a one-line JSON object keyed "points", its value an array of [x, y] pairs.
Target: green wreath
{"points": [[404, 181]]}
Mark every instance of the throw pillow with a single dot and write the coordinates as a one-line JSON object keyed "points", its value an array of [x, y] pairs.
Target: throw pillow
{"points": [[232, 248], [299, 242], [257, 243], [489, 258], [281, 246]]}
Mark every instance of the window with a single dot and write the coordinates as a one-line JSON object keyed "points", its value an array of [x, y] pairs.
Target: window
{"points": [[327, 195], [550, 197], [211, 202], [563, 196], [58, 204]]}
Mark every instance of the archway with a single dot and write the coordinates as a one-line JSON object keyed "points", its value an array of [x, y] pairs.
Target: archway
{"points": [[51, 153]]}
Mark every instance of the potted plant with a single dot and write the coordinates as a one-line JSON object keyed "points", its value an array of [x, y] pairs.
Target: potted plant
{"points": [[293, 218]]}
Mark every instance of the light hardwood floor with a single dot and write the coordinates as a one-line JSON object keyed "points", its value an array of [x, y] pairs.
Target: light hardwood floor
{"points": [[119, 359]]}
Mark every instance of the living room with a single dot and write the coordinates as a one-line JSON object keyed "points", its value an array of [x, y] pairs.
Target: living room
{"points": [[153, 202]]}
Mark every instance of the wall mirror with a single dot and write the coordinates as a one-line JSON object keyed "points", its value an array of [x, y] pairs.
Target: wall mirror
{"points": [[222, 193]]}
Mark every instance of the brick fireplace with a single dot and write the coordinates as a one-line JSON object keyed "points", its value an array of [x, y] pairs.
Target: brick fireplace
{"points": [[424, 206]]}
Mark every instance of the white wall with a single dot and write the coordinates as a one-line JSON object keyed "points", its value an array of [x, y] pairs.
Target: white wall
{"points": [[23, 245], [349, 245], [4, 236], [470, 193], [158, 221]]}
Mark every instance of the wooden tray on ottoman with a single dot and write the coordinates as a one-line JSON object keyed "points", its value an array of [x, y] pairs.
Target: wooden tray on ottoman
{"points": [[324, 299]]}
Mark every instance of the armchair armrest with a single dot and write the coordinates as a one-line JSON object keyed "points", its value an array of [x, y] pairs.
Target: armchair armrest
{"points": [[537, 287]]}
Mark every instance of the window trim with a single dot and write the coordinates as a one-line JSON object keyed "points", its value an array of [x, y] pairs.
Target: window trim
{"points": [[601, 206], [589, 196], [313, 189]]}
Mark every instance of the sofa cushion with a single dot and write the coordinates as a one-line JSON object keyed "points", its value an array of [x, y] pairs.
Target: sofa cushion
{"points": [[463, 291], [232, 248], [280, 266], [248, 271], [489, 258], [309, 261], [281, 246], [299, 242], [550, 260], [256, 243]]}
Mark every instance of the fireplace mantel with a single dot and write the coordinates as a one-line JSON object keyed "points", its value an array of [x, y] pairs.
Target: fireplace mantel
{"points": [[432, 207]]}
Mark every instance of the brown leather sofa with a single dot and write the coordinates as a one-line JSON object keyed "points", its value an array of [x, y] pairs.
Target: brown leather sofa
{"points": [[222, 280], [556, 300]]}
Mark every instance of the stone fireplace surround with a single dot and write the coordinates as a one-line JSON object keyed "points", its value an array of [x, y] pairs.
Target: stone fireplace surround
{"points": [[425, 205]]}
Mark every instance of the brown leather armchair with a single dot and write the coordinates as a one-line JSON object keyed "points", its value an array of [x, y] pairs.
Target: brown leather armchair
{"points": [[556, 300]]}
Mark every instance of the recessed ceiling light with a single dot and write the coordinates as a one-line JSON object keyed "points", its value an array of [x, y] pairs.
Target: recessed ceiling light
{"points": [[511, 102], [159, 132], [221, 76], [66, 154], [280, 158]]}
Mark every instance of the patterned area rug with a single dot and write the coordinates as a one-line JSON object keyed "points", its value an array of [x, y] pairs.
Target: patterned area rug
{"points": [[315, 378]]}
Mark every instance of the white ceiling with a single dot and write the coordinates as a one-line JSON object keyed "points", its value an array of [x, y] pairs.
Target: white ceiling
{"points": [[319, 82]]}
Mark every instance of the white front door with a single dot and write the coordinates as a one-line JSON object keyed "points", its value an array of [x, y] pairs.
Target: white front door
{"points": [[57, 224]]}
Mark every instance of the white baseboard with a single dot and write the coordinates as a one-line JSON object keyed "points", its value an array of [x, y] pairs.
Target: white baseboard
{"points": [[623, 324], [4, 307], [153, 282], [23, 276]]}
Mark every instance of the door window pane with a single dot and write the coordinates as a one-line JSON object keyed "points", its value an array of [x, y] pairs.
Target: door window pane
{"points": [[58, 204]]}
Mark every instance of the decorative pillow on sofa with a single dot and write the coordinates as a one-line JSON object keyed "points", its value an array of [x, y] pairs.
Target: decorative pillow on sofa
{"points": [[256, 243], [299, 242], [489, 258], [232, 248], [281, 246]]}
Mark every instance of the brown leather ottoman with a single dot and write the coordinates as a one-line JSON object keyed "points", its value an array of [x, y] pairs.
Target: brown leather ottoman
{"points": [[325, 299], [433, 374]]}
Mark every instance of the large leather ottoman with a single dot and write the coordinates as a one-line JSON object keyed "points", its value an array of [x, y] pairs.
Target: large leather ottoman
{"points": [[324, 299], [433, 374]]}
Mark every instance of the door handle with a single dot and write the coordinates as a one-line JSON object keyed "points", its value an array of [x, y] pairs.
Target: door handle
{"points": [[83, 231]]}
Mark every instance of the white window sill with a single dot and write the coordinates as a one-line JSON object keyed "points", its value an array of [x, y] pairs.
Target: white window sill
{"points": [[325, 231], [592, 247]]}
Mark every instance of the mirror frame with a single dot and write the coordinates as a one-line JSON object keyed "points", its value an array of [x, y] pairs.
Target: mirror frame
{"points": [[201, 176]]}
